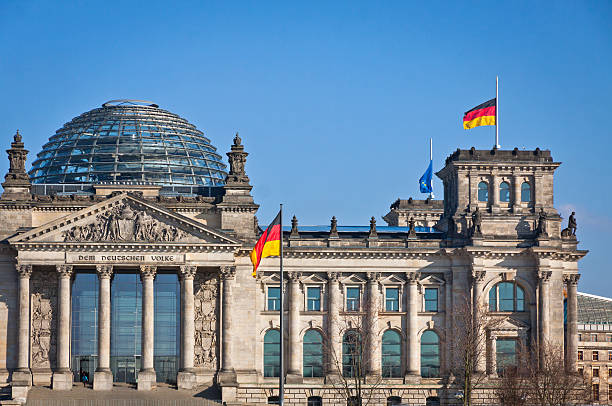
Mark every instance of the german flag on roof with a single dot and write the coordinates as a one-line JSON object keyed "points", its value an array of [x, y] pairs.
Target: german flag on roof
{"points": [[268, 244], [483, 114]]}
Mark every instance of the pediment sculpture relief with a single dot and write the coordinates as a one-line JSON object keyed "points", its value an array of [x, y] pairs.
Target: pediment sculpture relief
{"points": [[123, 223]]}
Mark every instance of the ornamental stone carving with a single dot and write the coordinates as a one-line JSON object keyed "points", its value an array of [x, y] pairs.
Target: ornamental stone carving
{"points": [[206, 292], [104, 271], [571, 279], [227, 272], [478, 276], [412, 277], [373, 276], [147, 271], [64, 271], [187, 271], [24, 271], [294, 277], [124, 223], [43, 319], [333, 276], [544, 276]]}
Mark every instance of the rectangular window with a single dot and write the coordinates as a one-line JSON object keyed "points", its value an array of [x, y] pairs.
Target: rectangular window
{"points": [[595, 355], [352, 299], [579, 337], [610, 338], [609, 355], [392, 299], [595, 372], [580, 356], [609, 372], [314, 299], [505, 353], [273, 298], [596, 392], [431, 299], [581, 371], [594, 338]]}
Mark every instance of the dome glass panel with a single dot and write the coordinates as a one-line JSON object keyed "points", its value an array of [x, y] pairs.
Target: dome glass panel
{"points": [[129, 141]]}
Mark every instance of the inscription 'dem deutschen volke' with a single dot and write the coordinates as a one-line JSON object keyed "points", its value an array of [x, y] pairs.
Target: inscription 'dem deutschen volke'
{"points": [[129, 258]]}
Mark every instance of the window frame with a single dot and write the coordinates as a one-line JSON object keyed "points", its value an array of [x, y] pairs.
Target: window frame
{"points": [[437, 289], [267, 302], [399, 298], [580, 355], [529, 189], [439, 354], [393, 366], [307, 298], [515, 299], [263, 363], [595, 373], [321, 355], [359, 297], [501, 190], [479, 190], [499, 367], [595, 355]]}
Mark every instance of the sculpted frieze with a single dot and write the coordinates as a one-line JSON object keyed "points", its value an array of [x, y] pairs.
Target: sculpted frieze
{"points": [[43, 319], [125, 223], [206, 290]]}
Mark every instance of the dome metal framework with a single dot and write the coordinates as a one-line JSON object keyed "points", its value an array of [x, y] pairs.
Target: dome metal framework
{"points": [[129, 141]]}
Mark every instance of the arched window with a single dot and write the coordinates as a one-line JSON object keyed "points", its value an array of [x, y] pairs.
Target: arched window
{"points": [[394, 400], [430, 354], [483, 192], [315, 401], [391, 354], [507, 297], [504, 192], [525, 192], [351, 354], [271, 353], [313, 354]]}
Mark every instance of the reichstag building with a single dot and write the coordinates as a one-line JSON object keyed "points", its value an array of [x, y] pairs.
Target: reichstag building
{"points": [[124, 257]]}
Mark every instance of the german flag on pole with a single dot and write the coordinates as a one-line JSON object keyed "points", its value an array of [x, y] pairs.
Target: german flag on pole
{"points": [[480, 115], [268, 244]]}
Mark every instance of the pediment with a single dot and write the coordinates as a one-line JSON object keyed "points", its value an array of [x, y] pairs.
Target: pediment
{"points": [[353, 279], [123, 219], [431, 280], [392, 280], [313, 279], [511, 324]]}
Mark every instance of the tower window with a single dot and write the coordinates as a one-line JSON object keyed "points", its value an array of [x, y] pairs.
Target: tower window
{"points": [[483, 192], [525, 192], [504, 192]]}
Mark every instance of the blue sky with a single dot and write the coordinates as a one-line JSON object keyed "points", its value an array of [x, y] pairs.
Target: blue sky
{"points": [[335, 101]]}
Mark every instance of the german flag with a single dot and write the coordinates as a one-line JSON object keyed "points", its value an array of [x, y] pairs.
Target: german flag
{"points": [[268, 244], [480, 115]]}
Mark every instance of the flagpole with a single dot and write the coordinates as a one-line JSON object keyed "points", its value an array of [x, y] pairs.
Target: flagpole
{"points": [[497, 113], [431, 195], [281, 379]]}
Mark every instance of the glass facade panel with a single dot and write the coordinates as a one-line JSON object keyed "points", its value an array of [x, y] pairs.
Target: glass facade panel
{"points": [[351, 354], [430, 354], [352, 299], [273, 298], [391, 354], [431, 299], [84, 337], [314, 299], [313, 354], [167, 327], [271, 355], [392, 299], [505, 353], [506, 296], [126, 326]]}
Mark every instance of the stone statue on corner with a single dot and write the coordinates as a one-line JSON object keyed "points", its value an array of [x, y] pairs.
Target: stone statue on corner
{"points": [[477, 223]]}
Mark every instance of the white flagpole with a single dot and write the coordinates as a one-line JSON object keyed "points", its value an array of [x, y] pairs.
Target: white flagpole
{"points": [[497, 113], [431, 195], [281, 379]]}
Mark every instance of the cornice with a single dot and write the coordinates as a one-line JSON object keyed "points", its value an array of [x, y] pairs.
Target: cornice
{"points": [[123, 247], [352, 253]]}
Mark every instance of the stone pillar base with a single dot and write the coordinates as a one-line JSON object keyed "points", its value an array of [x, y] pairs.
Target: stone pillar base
{"points": [[228, 394], [147, 380], [19, 392], [294, 378], [412, 378], [62, 381], [186, 380], [22, 378], [227, 378], [103, 380]]}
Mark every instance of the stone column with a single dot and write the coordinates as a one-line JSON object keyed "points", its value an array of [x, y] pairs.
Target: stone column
{"points": [[572, 321], [544, 278], [23, 350], [333, 316], [478, 277], [103, 377], [227, 375], [146, 377], [373, 346], [448, 319], [492, 341], [294, 375], [186, 378], [413, 372], [62, 376], [495, 206], [516, 206]]}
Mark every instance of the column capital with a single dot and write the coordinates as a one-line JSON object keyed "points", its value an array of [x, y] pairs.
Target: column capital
{"points": [[187, 271], [544, 276], [333, 276], [373, 277], [147, 272], [104, 271], [64, 271], [571, 279], [412, 277], [294, 277], [478, 276], [227, 272], [24, 271]]}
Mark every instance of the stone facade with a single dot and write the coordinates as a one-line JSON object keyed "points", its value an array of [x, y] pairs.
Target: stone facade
{"points": [[456, 251]]}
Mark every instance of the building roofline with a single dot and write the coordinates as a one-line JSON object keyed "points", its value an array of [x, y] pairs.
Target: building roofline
{"points": [[595, 296]]}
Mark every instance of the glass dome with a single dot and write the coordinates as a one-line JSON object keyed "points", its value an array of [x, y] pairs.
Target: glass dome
{"points": [[129, 141]]}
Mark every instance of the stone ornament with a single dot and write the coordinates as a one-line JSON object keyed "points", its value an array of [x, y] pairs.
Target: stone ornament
{"points": [[206, 292], [544, 276], [294, 277], [477, 223], [570, 231], [412, 277], [333, 276], [571, 279], [227, 272], [147, 271], [104, 271], [333, 231], [294, 228], [478, 276], [24, 271], [541, 228], [187, 271], [411, 228], [124, 223], [17, 155], [373, 233], [43, 319], [64, 271], [237, 159], [373, 277]]}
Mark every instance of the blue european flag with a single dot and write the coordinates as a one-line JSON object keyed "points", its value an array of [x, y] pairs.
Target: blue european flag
{"points": [[425, 181]]}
